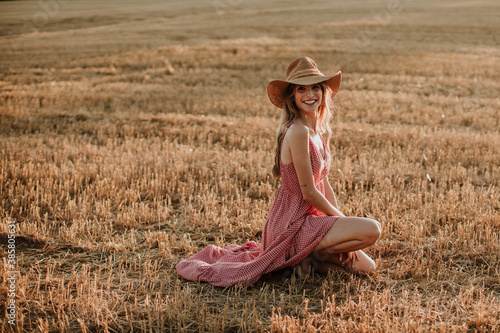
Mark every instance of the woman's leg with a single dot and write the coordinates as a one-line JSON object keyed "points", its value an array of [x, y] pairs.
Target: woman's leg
{"points": [[346, 235], [364, 265]]}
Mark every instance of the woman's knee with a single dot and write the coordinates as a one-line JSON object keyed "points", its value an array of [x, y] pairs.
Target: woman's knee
{"points": [[373, 231]]}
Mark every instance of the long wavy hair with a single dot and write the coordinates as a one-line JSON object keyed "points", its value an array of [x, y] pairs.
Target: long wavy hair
{"points": [[291, 112]]}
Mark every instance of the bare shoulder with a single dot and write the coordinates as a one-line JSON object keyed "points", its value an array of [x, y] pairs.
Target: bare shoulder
{"points": [[295, 144], [297, 132]]}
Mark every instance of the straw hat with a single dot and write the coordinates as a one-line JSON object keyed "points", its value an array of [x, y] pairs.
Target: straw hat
{"points": [[302, 71]]}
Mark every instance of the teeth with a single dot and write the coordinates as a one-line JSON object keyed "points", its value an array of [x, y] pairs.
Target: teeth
{"points": [[309, 102]]}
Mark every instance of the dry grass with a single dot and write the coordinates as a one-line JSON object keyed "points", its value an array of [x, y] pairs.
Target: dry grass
{"points": [[132, 138]]}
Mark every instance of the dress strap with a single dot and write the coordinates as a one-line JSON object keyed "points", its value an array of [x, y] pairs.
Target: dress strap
{"points": [[287, 127], [325, 146]]}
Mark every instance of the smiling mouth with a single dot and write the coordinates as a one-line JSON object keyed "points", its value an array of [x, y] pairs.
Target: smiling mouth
{"points": [[309, 102]]}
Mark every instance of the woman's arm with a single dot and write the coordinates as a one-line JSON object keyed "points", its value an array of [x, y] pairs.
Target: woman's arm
{"points": [[329, 194], [298, 143]]}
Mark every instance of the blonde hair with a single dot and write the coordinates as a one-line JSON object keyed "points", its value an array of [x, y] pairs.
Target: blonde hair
{"points": [[291, 112]]}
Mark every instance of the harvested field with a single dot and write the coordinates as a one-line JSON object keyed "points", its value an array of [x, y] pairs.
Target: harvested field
{"points": [[133, 135]]}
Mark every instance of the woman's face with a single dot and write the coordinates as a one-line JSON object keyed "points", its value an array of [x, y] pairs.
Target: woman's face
{"points": [[308, 98]]}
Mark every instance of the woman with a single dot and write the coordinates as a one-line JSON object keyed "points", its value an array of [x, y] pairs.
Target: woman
{"points": [[304, 228]]}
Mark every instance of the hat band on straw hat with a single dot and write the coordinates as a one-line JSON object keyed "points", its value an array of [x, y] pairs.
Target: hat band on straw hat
{"points": [[304, 73]]}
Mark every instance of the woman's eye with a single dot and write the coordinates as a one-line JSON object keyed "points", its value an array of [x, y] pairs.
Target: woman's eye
{"points": [[301, 89], [316, 87]]}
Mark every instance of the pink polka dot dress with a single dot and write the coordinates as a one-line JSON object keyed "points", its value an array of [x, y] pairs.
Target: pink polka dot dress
{"points": [[293, 229]]}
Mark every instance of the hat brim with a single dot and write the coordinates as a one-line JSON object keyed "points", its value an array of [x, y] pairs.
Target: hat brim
{"points": [[276, 89]]}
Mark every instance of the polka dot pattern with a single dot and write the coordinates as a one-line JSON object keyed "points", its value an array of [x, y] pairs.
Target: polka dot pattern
{"points": [[293, 229]]}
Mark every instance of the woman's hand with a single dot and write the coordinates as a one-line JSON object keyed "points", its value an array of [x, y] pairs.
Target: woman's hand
{"points": [[348, 259]]}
